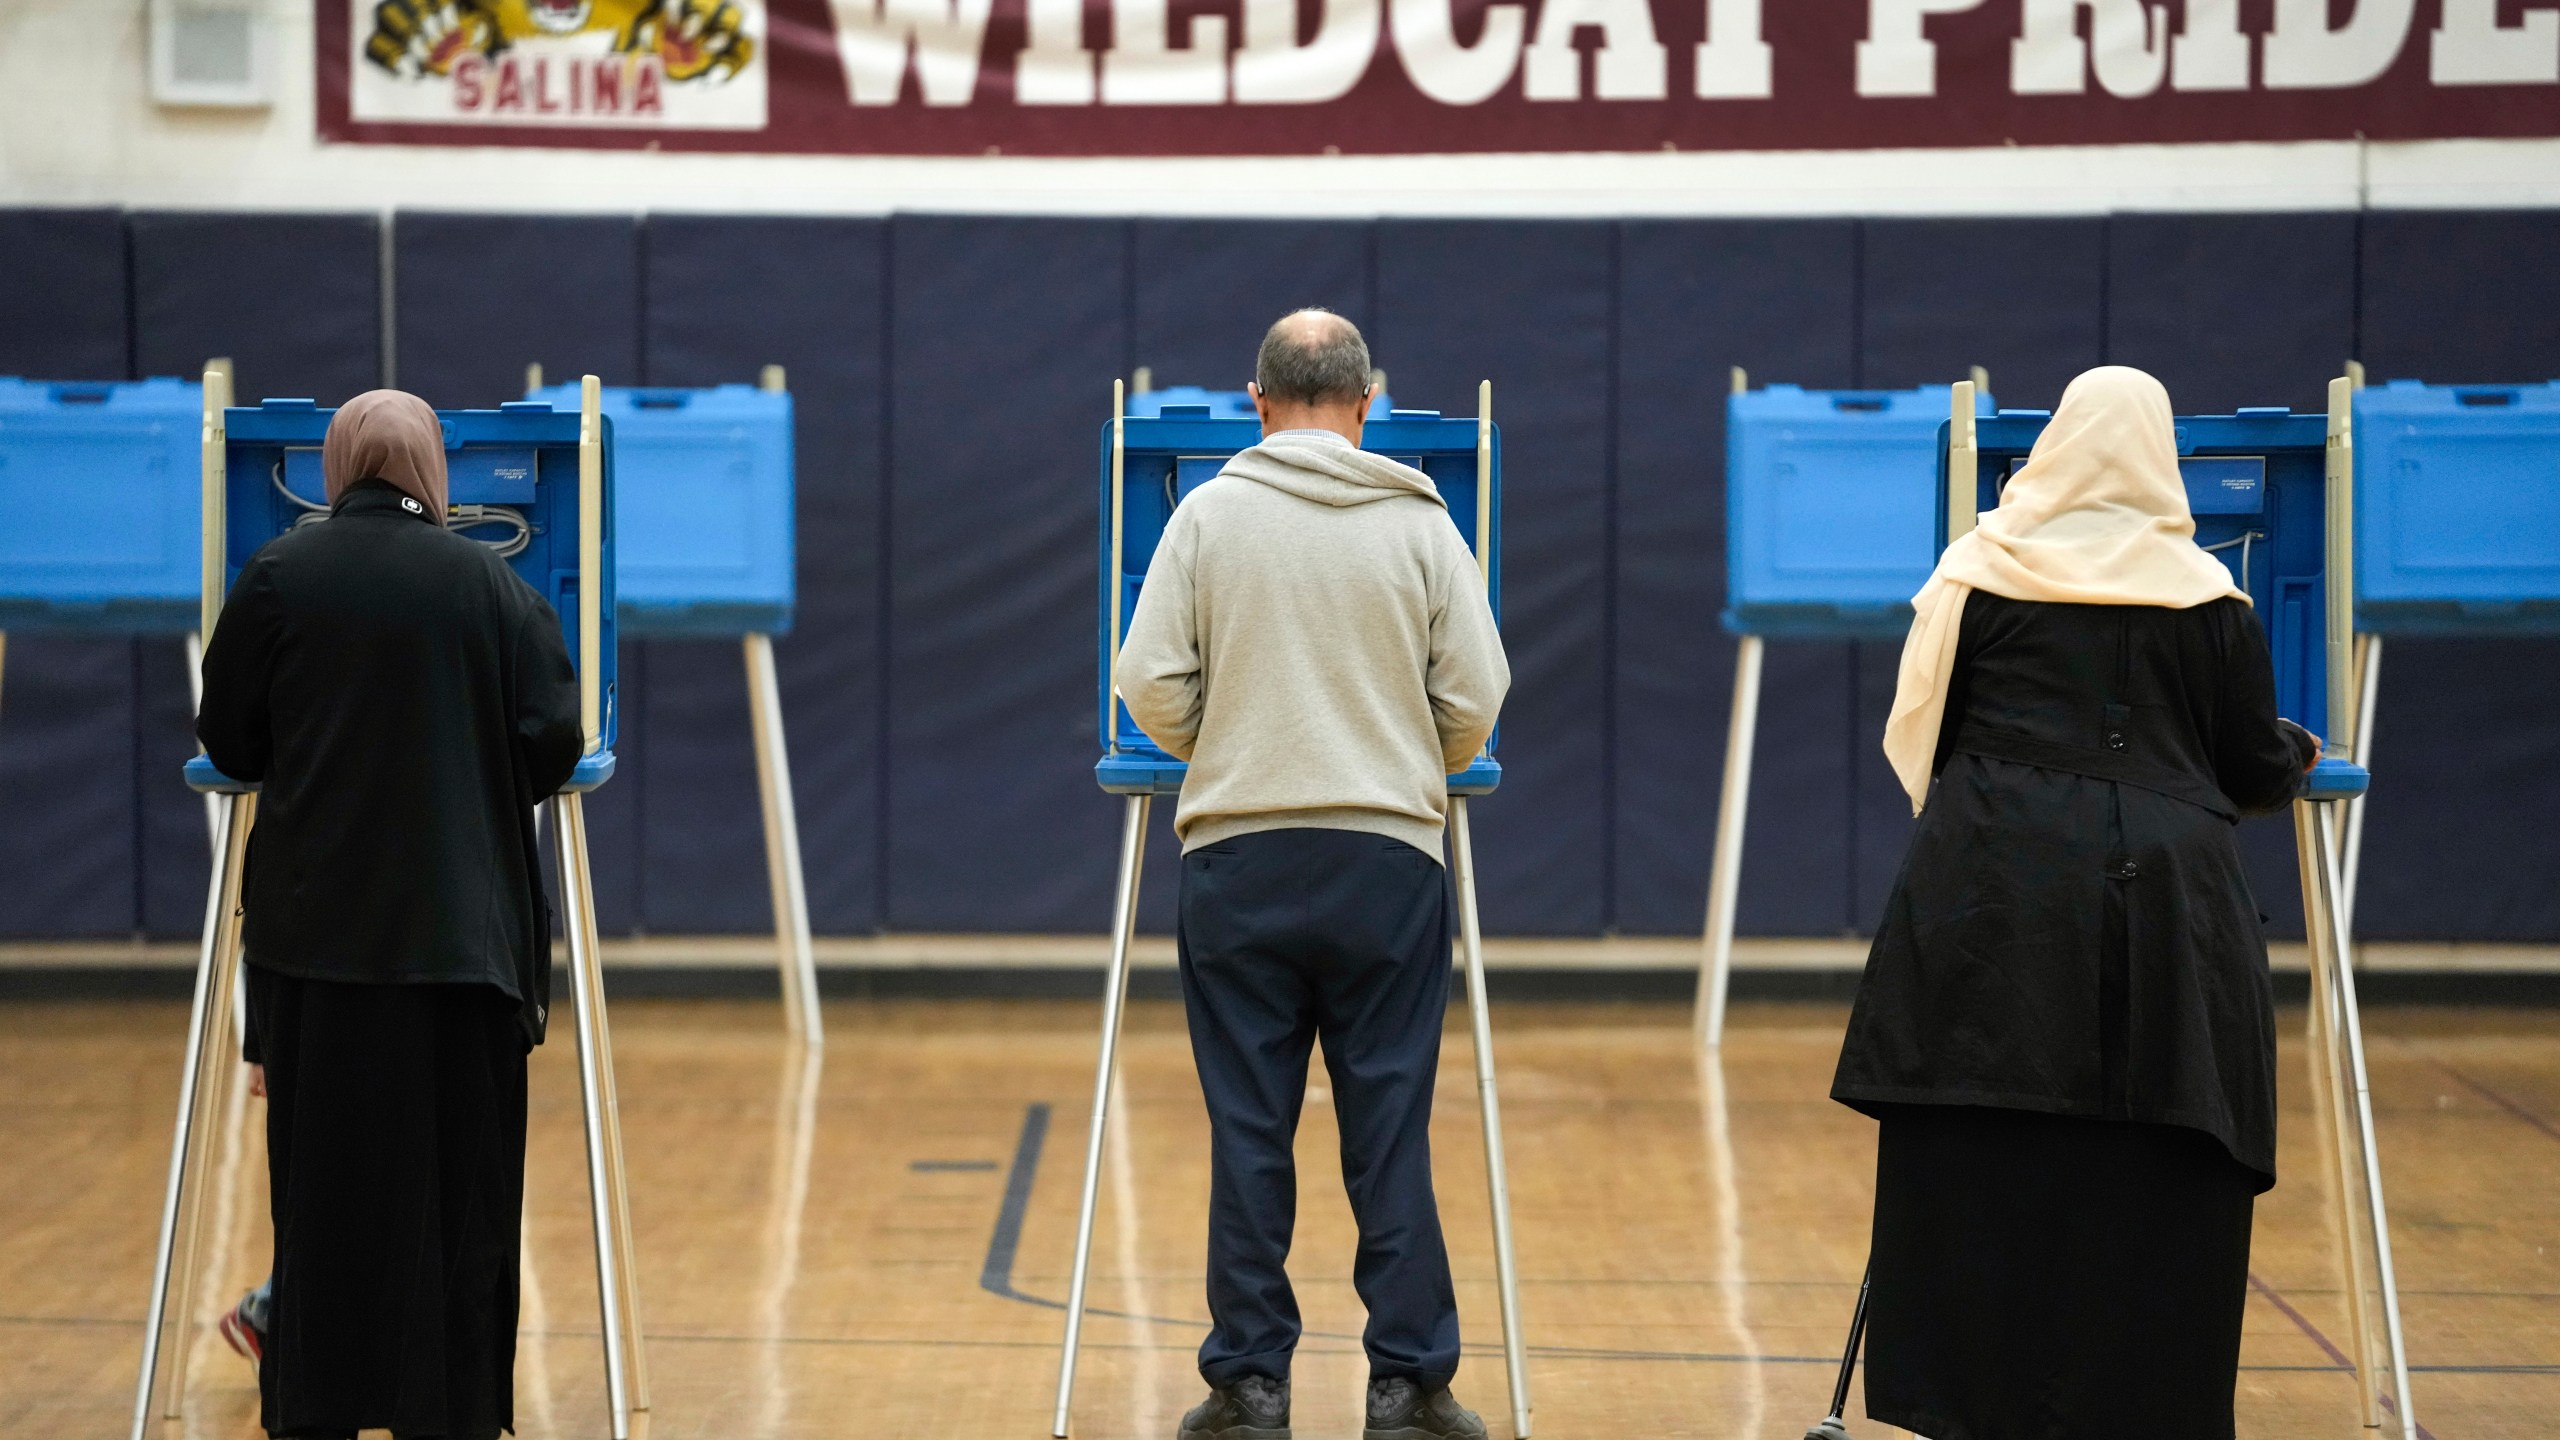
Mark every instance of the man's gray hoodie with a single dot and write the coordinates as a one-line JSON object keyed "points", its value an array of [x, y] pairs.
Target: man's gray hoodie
{"points": [[1313, 638]]}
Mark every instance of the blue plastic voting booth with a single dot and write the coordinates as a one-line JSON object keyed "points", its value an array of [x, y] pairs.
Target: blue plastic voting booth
{"points": [[1827, 524], [2488, 564], [535, 483], [2273, 496], [1149, 463], [99, 481], [703, 527]]}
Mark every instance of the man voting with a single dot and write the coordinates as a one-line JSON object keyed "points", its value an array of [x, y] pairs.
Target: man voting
{"points": [[1313, 638]]}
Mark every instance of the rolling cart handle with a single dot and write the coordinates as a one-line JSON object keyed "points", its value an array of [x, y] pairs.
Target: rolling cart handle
{"points": [[591, 560]]}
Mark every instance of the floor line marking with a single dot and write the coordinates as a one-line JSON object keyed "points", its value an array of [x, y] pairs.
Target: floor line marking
{"points": [[2512, 1107], [996, 1276], [2303, 1323]]}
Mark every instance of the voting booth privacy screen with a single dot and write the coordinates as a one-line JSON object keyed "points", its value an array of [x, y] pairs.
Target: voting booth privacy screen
{"points": [[1827, 530], [702, 507], [512, 478], [100, 490], [1164, 458], [2458, 509]]}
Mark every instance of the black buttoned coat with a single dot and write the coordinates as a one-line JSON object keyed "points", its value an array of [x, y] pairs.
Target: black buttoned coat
{"points": [[2071, 931], [404, 700]]}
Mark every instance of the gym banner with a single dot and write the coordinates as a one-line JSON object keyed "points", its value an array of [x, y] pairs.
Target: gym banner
{"points": [[1210, 77]]}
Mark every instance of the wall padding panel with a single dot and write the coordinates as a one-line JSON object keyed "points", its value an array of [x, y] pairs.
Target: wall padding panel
{"points": [[62, 295], [67, 806], [2466, 753], [2181, 291], [2026, 300], [1005, 335], [1695, 299], [725, 297], [1202, 292], [479, 296], [295, 302], [1531, 306]]}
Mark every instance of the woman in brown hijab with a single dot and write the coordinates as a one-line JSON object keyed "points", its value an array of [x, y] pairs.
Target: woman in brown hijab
{"points": [[404, 700]]}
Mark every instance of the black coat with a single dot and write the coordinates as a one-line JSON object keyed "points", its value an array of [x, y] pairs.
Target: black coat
{"points": [[2071, 932], [404, 701]]}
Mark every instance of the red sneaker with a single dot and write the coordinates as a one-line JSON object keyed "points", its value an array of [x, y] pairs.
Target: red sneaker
{"points": [[240, 1328]]}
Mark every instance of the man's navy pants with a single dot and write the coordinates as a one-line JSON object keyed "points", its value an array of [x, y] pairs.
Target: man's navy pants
{"points": [[1290, 937]]}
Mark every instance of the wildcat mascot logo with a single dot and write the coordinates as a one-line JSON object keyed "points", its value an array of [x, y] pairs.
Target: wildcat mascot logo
{"points": [[665, 64]]}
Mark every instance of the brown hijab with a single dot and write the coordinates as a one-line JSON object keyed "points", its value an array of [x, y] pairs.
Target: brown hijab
{"points": [[391, 436]]}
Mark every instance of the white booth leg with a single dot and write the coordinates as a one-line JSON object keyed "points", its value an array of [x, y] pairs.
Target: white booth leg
{"points": [[1115, 995], [782, 846], [1724, 878], [222, 903], [568, 824], [2368, 685], [2362, 1216], [1506, 1270], [617, 1193], [221, 1062], [2351, 1026], [2331, 1106]]}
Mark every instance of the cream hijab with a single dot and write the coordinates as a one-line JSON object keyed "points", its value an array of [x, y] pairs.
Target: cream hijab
{"points": [[2097, 516]]}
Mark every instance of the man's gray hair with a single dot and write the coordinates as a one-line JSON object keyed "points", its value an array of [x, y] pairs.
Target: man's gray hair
{"points": [[1328, 366]]}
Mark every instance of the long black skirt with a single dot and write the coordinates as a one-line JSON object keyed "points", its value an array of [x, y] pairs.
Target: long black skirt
{"points": [[395, 1156], [2044, 1278]]}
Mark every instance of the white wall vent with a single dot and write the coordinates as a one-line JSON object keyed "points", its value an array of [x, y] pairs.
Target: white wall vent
{"points": [[211, 52]]}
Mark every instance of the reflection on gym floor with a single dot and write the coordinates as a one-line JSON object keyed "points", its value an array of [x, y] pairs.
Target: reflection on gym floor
{"points": [[879, 1243]]}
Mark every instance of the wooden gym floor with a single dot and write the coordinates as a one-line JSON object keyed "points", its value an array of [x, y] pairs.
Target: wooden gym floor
{"points": [[879, 1245]]}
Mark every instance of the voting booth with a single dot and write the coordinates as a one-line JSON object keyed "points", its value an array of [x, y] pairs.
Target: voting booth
{"points": [[1149, 464], [99, 482], [2275, 499], [704, 530], [2486, 565], [535, 483], [1828, 518]]}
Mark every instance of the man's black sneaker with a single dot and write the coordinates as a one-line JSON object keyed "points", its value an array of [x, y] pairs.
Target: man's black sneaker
{"points": [[1402, 1410], [1254, 1408]]}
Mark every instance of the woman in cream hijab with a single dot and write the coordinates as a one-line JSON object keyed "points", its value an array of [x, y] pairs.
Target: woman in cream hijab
{"points": [[2064, 1027]]}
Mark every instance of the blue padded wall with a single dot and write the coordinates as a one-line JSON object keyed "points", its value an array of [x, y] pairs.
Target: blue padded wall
{"points": [[2466, 752], [208, 285], [2025, 300], [952, 374], [1004, 336], [477, 297], [62, 295], [67, 812], [67, 772], [1695, 299], [2174, 282], [205, 286], [1201, 293], [1546, 343], [723, 299]]}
